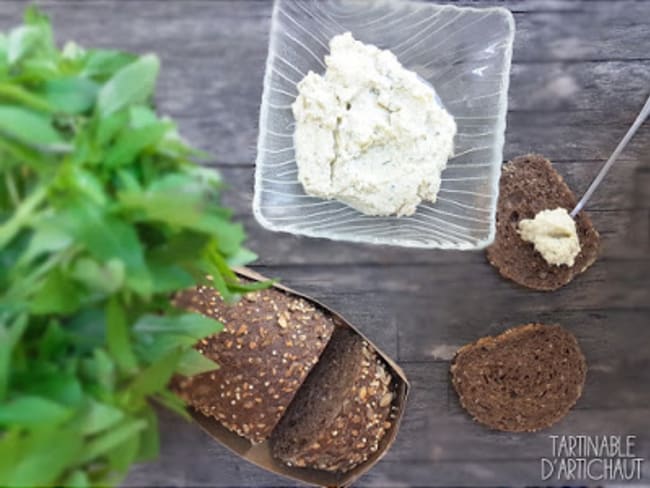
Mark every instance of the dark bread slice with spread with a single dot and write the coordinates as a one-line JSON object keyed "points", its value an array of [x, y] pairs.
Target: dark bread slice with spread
{"points": [[341, 413], [270, 342], [522, 380], [528, 185]]}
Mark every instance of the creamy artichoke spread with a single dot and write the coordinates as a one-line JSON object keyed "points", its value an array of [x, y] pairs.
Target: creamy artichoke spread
{"points": [[369, 132], [554, 235]]}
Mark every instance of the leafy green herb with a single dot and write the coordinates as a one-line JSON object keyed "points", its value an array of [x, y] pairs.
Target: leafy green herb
{"points": [[103, 214]]}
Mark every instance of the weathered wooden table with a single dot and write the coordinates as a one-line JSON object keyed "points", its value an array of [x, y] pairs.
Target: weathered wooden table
{"points": [[581, 72]]}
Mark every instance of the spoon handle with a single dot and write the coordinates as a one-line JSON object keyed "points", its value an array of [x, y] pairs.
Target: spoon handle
{"points": [[643, 115]]}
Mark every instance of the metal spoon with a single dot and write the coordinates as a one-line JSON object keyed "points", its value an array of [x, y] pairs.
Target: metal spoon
{"points": [[643, 115]]}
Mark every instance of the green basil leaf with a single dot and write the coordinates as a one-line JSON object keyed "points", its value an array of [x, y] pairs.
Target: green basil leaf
{"points": [[152, 348], [29, 127], [141, 116], [167, 279], [111, 439], [87, 329], [108, 127], [193, 325], [179, 247], [31, 411], [100, 369], [77, 479], [35, 70], [47, 237], [10, 333], [99, 417], [132, 143], [173, 199], [229, 236], [104, 277], [122, 455], [34, 17], [23, 40], [156, 376], [87, 184], [192, 362], [108, 238], [73, 54], [58, 294], [12, 450], [149, 437], [60, 387], [118, 337], [53, 342], [242, 257], [70, 95], [132, 84], [172, 402], [176, 200], [32, 460], [102, 64]]}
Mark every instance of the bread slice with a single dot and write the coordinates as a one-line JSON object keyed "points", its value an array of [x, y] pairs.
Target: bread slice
{"points": [[341, 413], [270, 342], [528, 185], [523, 380]]}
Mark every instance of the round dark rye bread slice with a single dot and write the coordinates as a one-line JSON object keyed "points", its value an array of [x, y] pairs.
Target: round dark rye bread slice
{"points": [[522, 380], [528, 185], [270, 342]]}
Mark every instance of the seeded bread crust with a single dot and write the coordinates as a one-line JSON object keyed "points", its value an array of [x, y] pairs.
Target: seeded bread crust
{"points": [[270, 342], [528, 185], [522, 380], [342, 412]]}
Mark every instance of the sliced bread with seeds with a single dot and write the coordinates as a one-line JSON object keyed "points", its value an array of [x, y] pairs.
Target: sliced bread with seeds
{"points": [[341, 413], [270, 342]]}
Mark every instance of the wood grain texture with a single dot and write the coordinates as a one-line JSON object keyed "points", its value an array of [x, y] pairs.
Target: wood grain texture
{"points": [[581, 72]]}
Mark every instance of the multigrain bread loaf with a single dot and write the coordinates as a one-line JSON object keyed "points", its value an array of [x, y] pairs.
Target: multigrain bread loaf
{"points": [[341, 413], [270, 342], [528, 185], [525, 379]]}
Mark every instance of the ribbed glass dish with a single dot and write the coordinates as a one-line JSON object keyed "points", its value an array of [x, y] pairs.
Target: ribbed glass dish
{"points": [[463, 52]]}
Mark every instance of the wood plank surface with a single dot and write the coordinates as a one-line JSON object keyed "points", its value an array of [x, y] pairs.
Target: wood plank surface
{"points": [[581, 71]]}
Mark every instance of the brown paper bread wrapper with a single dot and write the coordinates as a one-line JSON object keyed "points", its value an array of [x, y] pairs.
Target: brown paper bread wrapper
{"points": [[260, 454]]}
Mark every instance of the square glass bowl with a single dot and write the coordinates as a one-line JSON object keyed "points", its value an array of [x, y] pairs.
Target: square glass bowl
{"points": [[464, 52]]}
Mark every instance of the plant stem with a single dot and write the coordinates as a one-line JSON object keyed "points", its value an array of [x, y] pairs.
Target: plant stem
{"points": [[22, 215], [23, 97], [20, 154], [11, 188]]}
